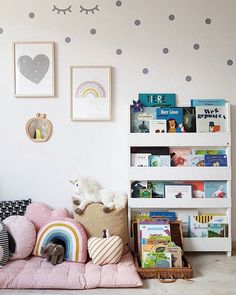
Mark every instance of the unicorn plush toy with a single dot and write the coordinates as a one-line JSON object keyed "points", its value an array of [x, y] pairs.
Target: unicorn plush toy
{"points": [[87, 191]]}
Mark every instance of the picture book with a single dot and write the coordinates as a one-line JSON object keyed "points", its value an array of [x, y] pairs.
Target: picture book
{"points": [[189, 119], [216, 161], [178, 191], [158, 189], [197, 160], [217, 230], [160, 100], [140, 120], [166, 214], [154, 256], [153, 231], [136, 186], [176, 255], [139, 160], [183, 215], [211, 119], [198, 188], [179, 156], [215, 189], [208, 152], [207, 102], [145, 193], [173, 117], [159, 160], [157, 126], [151, 150]]}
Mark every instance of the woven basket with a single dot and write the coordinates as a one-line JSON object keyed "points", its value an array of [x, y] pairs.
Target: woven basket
{"points": [[165, 275]]}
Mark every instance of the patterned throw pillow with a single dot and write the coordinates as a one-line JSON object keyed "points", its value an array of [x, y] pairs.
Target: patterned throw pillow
{"points": [[4, 245], [9, 208]]}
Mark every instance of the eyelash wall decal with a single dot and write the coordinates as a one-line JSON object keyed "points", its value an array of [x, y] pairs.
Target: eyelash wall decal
{"points": [[59, 10], [87, 10]]}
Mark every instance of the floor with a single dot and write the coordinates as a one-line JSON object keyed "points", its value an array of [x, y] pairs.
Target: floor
{"points": [[214, 274]]}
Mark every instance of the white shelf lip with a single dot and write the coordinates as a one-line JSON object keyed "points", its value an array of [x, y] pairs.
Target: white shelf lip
{"points": [[180, 139], [207, 244], [162, 203], [179, 173]]}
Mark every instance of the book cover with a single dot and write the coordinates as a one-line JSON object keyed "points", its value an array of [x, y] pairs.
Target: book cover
{"points": [[159, 150], [166, 214], [189, 119], [173, 117], [207, 102], [145, 193], [153, 256], [158, 99], [140, 120], [136, 186], [178, 191], [217, 230], [179, 156], [198, 188], [139, 160], [216, 161], [215, 189], [183, 215], [211, 119], [208, 152], [154, 232], [157, 126], [197, 160], [159, 160], [158, 189]]}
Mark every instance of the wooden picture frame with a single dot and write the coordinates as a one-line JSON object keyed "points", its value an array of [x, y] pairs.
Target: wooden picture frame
{"points": [[34, 69], [90, 93]]}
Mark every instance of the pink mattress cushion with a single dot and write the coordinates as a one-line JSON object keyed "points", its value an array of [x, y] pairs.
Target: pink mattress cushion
{"points": [[40, 213], [37, 273], [24, 234], [70, 232]]}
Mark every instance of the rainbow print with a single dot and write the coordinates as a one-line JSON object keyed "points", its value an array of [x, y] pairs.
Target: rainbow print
{"points": [[90, 89], [70, 233]]}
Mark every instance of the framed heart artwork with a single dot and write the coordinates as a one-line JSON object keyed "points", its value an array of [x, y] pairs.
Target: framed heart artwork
{"points": [[34, 69]]}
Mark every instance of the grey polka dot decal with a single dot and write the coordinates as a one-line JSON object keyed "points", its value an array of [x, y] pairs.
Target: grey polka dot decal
{"points": [[118, 3], [188, 78], [207, 21], [165, 50], [67, 39], [196, 46], [137, 22], [93, 31], [230, 62], [171, 17], [118, 51], [31, 15], [1, 30], [145, 71]]}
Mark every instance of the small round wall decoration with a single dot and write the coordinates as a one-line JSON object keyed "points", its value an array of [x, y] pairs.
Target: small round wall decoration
{"points": [[39, 129]]}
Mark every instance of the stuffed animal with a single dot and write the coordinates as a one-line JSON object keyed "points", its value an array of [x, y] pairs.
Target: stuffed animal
{"points": [[55, 253], [87, 191]]}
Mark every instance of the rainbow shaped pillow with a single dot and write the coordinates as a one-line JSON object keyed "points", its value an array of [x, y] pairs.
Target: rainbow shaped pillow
{"points": [[64, 231]]}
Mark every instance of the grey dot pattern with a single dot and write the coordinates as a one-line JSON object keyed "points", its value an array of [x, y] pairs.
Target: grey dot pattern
{"points": [[137, 22], [145, 71], [230, 62], [93, 31], [118, 51], [208, 21], [31, 15], [118, 3], [188, 78], [67, 39], [165, 50], [171, 17], [196, 46], [1, 30]]}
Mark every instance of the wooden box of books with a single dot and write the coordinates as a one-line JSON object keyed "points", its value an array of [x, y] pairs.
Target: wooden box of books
{"points": [[164, 274]]}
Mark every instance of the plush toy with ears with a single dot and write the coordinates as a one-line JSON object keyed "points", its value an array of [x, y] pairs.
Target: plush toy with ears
{"points": [[54, 252]]}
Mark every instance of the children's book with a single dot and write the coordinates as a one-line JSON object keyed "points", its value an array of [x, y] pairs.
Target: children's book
{"points": [[207, 102], [215, 189], [217, 230], [139, 160], [211, 119], [198, 188], [158, 188], [150, 150], [197, 160], [208, 152], [140, 120], [179, 156], [189, 119], [170, 215], [153, 256], [161, 100], [136, 186], [178, 191], [159, 160], [145, 193], [173, 117], [216, 161], [157, 126], [183, 215]]}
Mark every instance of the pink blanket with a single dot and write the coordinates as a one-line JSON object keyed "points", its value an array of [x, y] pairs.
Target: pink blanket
{"points": [[37, 273]]}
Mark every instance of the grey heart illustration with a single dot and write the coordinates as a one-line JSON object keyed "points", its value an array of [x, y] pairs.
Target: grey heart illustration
{"points": [[33, 69]]}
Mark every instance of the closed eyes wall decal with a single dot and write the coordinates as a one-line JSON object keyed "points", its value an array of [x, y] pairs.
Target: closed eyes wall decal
{"points": [[88, 10], [59, 10]]}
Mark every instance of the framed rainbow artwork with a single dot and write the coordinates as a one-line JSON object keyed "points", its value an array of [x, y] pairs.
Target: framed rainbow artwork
{"points": [[90, 93]]}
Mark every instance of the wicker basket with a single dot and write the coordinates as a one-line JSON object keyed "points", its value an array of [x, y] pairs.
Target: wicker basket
{"points": [[165, 275]]}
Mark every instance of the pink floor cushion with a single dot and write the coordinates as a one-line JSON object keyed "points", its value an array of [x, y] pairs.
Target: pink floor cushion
{"points": [[40, 213], [37, 273], [24, 234], [68, 232]]}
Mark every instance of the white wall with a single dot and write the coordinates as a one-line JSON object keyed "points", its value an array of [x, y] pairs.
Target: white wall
{"points": [[41, 170]]}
